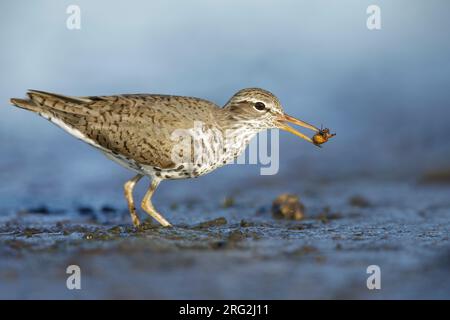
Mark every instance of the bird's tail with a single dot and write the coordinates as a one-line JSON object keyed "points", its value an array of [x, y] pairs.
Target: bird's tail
{"points": [[40, 101], [26, 104]]}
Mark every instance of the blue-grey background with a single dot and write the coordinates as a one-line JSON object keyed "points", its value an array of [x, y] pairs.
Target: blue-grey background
{"points": [[385, 93]]}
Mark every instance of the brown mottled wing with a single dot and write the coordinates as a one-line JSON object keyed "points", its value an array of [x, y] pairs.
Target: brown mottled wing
{"points": [[138, 127]]}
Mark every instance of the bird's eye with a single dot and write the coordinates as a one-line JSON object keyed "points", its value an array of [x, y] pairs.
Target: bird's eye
{"points": [[260, 106]]}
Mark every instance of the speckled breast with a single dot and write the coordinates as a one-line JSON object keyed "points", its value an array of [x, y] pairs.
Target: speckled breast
{"points": [[200, 150]]}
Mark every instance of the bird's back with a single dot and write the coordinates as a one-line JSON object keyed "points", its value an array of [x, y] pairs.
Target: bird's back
{"points": [[138, 127]]}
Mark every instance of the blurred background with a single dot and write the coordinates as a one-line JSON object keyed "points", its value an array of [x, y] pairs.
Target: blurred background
{"points": [[385, 93]]}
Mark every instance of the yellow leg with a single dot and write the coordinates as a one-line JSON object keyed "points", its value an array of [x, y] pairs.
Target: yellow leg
{"points": [[128, 187], [148, 207]]}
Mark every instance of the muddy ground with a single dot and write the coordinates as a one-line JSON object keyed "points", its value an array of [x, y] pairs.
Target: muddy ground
{"points": [[233, 247]]}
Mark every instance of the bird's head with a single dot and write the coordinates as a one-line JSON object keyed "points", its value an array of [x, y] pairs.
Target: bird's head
{"points": [[261, 110]]}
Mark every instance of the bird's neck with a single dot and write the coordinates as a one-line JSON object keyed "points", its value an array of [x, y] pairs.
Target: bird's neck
{"points": [[237, 134]]}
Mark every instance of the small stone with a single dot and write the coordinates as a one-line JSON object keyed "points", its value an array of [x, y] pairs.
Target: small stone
{"points": [[212, 223], [359, 201], [228, 202], [245, 224], [29, 232], [115, 230], [288, 206], [236, 236]]}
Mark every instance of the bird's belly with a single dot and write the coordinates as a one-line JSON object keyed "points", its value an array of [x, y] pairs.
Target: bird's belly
{"points": [[124, 162], [180, 171]]}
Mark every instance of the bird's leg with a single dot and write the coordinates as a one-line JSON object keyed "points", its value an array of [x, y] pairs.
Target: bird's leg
{"points": [[128, 187], [148, 207]]}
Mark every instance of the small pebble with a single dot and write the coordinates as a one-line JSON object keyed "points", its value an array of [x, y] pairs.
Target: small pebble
{"points": [[288, 206], [359, 201], [228, 202]]}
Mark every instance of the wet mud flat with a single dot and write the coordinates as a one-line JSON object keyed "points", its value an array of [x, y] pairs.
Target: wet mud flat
{"points": [[234, 247]]}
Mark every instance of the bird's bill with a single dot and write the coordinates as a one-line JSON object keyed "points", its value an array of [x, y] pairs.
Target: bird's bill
{"points": [[282, 124]]}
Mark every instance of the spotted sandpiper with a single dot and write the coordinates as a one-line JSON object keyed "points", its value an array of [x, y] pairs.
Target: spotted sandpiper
{"points": [[144, 132]]}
